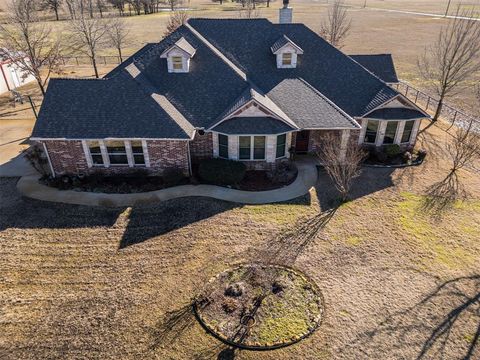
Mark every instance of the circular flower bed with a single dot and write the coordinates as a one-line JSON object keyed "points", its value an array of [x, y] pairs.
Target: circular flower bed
{"points": [[260, 306]]}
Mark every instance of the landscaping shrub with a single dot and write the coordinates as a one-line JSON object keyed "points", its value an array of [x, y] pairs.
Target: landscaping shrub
{"points": [[37, 158], [173, 176], [392, 150], [229, 305], [283, 173], [421, 154], [221, 171], [234, 290]]}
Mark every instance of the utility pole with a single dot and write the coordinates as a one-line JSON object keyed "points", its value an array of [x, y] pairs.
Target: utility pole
{"points": [[448, 7], [365, 4]]}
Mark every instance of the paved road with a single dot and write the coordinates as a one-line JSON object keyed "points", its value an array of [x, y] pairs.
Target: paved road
{"points": [[424, 14]]}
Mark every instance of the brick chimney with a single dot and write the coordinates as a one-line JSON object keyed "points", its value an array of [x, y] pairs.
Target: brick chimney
{"points": [[285, 13]]}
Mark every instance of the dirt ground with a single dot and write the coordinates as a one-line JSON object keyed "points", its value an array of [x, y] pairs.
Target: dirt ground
{"points": [[108, 283]]}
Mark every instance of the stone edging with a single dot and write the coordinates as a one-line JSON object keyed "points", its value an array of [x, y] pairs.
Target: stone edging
{"points": [[218, 336]]}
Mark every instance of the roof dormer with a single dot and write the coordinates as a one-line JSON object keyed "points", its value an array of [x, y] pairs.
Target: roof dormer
{"points": [[178, 56], [287, 53]]}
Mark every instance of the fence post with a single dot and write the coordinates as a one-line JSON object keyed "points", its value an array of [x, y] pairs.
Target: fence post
{"points": [[406, 91], [416, 97], [428, 102], [76, 59], [105, 60]]}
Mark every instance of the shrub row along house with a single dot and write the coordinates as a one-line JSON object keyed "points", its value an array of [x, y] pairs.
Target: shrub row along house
{"points": [[247, 90]]}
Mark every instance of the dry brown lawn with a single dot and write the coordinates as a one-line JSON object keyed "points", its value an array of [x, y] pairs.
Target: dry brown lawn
{"points": [[100, 283]]}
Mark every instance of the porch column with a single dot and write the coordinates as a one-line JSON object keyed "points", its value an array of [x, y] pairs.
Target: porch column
{"points": [[344, 144]]}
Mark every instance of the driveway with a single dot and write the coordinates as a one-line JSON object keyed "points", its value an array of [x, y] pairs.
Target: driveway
{"points": [[13, 140]]}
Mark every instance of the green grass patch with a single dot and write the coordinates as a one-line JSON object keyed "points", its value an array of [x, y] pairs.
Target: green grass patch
{"points": [[437, 237]]}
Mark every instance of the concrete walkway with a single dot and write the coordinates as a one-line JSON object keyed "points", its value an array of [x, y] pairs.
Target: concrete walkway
{"points": [[307, 176]]}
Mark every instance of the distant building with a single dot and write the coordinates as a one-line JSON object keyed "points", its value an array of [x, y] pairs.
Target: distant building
{"points": [[11, 76]]}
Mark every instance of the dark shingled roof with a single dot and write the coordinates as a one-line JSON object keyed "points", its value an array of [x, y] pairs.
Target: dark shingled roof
{"points": [[379, 64], [327, 89], [395, 114], [252, 125], [308, 108], [247, 44], [93, 109]]}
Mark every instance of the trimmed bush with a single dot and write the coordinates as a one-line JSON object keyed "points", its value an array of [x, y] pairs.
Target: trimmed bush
{"points": [[221, 171], [173, 176], [392, 150]]}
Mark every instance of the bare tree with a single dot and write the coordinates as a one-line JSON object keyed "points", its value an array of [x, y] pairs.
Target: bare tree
{"points": [[249, 10], [53, 5], [341, 161], [454, 56], [173, 3], [88, 36], [28, 43], [464, 147], [337, 25], [177, 19], [117, 32]]}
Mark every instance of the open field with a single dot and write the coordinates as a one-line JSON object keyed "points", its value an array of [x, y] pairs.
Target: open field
{"points": [[82, 282], [403, 35]]}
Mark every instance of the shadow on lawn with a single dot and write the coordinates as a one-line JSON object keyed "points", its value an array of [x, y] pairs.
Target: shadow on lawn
{"points": [[147, 222], [453, 307], [370, 181]]}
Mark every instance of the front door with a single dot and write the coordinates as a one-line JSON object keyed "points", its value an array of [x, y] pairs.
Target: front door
{"points": [[301, 144]]}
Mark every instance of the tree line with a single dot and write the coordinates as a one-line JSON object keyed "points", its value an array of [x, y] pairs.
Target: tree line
{"points": [[100, 8]]}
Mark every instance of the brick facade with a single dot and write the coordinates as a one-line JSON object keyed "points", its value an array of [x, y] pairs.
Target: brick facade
{"points": [[317, 136], [168, 154], [201, 147], [68, 157]]}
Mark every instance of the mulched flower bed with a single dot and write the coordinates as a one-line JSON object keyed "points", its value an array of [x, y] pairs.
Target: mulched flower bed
{"points": [[260, 306], [113, 184], [256, 180], [398, 160]]}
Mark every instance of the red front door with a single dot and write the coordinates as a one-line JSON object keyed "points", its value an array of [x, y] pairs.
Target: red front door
{"points": [[301, 144]]}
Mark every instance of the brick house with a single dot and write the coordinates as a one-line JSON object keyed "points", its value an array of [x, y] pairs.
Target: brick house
{"points": [[247, 90]]}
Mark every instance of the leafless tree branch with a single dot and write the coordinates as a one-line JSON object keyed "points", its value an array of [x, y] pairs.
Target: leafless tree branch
{"points": [[337, 25], [28, 43], [453, 58]]}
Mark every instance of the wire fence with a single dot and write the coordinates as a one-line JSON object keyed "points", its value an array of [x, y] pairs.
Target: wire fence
{"points": [[85, 60], [450, 114]]}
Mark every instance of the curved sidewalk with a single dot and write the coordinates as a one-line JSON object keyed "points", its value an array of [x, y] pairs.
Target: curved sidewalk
{"points": [[307, 176]]}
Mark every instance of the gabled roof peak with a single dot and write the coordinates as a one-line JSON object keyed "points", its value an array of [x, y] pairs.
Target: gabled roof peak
{"points": [[183, 45], [282, 42]]}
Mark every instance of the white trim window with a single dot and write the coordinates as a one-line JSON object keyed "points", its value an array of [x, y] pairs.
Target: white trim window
{"points": [[137, 153], [281, 146], [95, 150], [371, 132], [223, 146], [117, 152], [107, 153], [390, 132], [251, 147], [407, 131]]}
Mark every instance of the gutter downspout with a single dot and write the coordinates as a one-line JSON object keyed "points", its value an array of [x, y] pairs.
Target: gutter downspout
{"points": [[189, 159], [5, 77], [48, 158]]}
